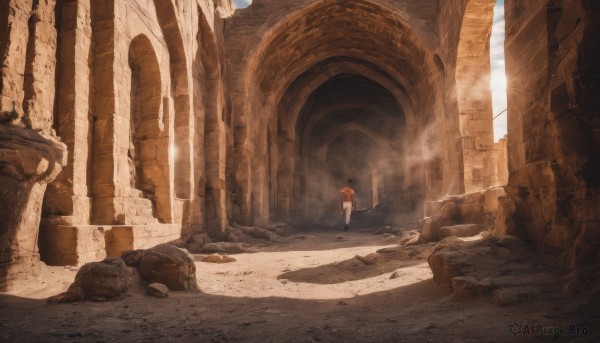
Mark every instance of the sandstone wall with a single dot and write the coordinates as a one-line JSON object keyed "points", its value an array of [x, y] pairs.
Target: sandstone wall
{"points": [[552, 51], [28, 53], [133, 89]]}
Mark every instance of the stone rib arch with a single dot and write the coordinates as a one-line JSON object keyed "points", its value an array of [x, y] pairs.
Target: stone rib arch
{"points": [[317, 116], [269, 38], [321, 152], [288, 118]]}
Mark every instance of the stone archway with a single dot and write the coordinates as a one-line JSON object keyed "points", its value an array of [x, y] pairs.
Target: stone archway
{"points": [[147, 155], [273, 86]]}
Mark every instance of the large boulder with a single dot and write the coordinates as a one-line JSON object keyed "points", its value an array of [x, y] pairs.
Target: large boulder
{"points": [[99, 281], [453, 257], [502, 267], [165, 264]]}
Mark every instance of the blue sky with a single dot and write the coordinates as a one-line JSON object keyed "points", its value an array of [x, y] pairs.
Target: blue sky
{"points": [[498, 80], [241, 3]]}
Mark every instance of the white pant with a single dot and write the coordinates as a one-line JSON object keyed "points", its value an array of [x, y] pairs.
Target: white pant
{"points": [[347, 206]]}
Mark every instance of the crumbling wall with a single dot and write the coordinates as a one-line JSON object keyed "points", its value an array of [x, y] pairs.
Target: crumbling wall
{"points": [[552, 54]]}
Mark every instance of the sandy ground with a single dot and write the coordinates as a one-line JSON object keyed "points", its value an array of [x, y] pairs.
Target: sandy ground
{"points": [[306, 288]]}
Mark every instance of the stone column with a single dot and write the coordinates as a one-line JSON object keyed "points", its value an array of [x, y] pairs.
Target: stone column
{"points": [[28, 162]]}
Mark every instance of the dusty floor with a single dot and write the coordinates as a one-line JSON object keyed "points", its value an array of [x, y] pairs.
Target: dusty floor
{"points": [[305, 288]]}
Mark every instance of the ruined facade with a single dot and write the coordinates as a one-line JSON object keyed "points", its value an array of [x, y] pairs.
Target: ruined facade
{"points": [[173, 118]]}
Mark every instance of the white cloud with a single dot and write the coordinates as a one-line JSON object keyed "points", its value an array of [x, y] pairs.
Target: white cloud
{"points": [[498, 79], [241, 3]]}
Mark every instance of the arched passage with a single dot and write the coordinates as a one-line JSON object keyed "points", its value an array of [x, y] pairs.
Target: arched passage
{"points": [[345, 103], [283, 98], [147, 154]]}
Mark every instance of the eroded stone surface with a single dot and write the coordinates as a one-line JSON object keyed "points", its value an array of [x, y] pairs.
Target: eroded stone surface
{"points": [[158, 290], [502, 267], [100, 281], [28, 161]]}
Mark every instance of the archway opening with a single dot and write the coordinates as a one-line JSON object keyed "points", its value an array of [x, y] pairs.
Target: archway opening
{"points": [[146, 154], [361, 72]]}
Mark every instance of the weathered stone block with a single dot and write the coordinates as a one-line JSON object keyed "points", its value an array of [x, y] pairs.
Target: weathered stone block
{"points": [[464, 230], [124, 238], [71, 245]]}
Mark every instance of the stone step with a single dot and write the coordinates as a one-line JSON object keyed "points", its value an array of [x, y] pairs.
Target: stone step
{"points": [[463, 230]]}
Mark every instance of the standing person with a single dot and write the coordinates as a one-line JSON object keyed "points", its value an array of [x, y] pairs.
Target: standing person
{"points": [[347, 203]]}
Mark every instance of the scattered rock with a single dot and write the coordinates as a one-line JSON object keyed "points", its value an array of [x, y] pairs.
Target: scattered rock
{"points": [[464, 230], [228, 259], [168, 265], [99, 281], [216, 258], [157, 290], [212, 258], [397, 274], [254, 232], [386, 230], [412, 237], [371, 259], [415, 240], [224, 247], [414, 253], [389, 250]]}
